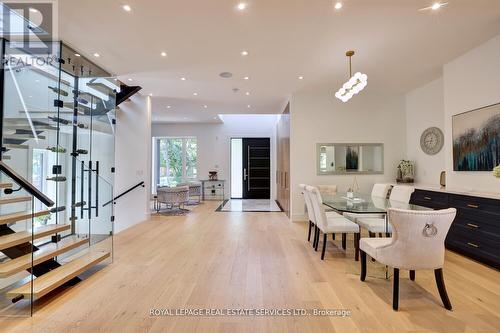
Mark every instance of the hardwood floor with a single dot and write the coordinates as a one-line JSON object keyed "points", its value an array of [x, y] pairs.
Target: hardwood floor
{"points": [[211, 259]]}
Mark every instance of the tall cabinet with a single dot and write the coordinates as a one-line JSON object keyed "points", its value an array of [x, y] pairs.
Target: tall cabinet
{"points": [[283, 163]]}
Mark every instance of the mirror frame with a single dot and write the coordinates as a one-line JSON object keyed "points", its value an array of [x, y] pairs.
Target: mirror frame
{"points": [[319, 173]]}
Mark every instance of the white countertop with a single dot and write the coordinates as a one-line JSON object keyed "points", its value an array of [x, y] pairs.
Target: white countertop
{"points": [[452, 190]]}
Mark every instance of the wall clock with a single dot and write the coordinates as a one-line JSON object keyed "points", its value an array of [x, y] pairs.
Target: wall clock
{"points": [[432, 141]]}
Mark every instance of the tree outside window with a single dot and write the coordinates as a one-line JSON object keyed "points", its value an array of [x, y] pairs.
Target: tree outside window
{"points": [[177, 160]]}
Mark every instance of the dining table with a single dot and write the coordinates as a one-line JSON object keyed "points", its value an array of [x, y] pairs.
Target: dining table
{"points": [[365, 204]]}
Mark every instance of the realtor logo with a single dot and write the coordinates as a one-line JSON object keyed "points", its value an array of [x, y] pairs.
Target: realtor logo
{"points": [[30, 26]]}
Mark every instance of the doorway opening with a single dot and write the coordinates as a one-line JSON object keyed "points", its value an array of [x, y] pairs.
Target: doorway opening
{"points": [[251, 168]]}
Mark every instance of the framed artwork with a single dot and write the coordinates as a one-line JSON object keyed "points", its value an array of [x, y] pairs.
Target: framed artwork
{"points": [[352, 158], [476, 139]]}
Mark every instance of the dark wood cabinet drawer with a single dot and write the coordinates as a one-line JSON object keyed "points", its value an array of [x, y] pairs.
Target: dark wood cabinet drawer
{"points": [[476, 232], [475, 204], [430, 197], [478, 249]]}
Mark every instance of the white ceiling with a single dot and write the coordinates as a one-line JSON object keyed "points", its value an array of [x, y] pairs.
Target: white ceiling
{"points": [[398, 47]]}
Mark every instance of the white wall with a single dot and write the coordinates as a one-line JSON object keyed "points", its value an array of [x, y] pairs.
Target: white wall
{"points": [[424, 109], [133, 160], [470, 82], [214, 141], [318, 117]]}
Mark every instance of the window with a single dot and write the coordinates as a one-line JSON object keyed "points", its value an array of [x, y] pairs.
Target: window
{"points": [[176, 160]]}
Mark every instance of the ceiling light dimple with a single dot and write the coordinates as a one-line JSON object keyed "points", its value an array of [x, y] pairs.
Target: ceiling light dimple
{"points": [[97, 55], [130, 79], [301, 78], [226, 75], [249, 106], [77, 55], [246, 78], [183, 79], [168, 106], [205, 106], [435, 6], [338, 5], [195, 94], [247, 93], [244, 53], [126, 8], [163, 54]]}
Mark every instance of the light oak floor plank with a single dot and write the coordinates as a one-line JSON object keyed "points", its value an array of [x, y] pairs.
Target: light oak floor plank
{"points": [[222, 260]]}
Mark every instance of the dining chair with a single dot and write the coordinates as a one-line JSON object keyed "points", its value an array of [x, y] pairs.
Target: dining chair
{"points": [[311, 216], [417, 243], [331, 224], [399, 198], [378, 191]]}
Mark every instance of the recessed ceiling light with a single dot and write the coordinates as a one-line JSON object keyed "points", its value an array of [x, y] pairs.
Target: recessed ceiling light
{"points": [[77, 55], [226, 75], [249, 106], [130, 79], [97, 55], [168, 106], [205, 106], [195, 94], [435, 6], [246, 78], [215, 117], [244, 53], [247, 93], [241, 6], [183, 78], [151, 94], [163, 54], [338, 5], [126, 8], [185, 117], [301, 78]]}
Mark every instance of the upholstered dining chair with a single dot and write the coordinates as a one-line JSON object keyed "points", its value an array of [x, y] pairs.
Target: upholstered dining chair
{"points": [[331, 224], [399, 198], [417, 243], [311, 216], [378, 191]]}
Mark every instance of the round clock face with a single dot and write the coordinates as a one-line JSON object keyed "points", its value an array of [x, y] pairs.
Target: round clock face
{"points": [[432, 141]]}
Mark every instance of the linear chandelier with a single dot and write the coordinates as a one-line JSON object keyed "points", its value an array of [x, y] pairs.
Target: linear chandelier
{"points": [[356, 83]]}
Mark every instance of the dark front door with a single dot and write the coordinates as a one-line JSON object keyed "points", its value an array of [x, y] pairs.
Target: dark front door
{"points": [[256, 168]]}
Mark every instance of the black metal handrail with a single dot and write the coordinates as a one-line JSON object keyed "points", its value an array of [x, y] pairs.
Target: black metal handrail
{"points": [[127, 191], [27, 186]]}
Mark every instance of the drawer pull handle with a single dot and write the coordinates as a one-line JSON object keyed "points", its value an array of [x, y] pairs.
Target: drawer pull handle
{"points": [[472, 225], [427, 198], [473, 245], [472, 206]]}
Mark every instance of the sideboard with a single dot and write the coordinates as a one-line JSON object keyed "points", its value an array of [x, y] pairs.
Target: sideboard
{"points": [[475, 233]]}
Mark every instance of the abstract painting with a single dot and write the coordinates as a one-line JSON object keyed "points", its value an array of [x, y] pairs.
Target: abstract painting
{"points": [[476, 139], [352, 158]]}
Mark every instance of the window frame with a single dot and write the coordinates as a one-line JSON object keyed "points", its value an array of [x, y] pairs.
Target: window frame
{"points": [[157, 158]]}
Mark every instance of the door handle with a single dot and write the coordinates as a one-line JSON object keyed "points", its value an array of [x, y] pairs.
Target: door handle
{"points": [[248, 166]]}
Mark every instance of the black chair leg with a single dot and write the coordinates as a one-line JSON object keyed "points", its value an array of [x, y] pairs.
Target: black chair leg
{"points": [[324, 247], [362, 276], [317, 240], [412, 275], [356, 246], [344, 240], [333, 236], [395, 290], [438, 273], [315, 235], [309, 234]]}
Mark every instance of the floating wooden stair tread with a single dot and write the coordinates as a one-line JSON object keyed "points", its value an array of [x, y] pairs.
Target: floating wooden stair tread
{"points": [[57, 277], [25, 137], [14, 200], [44, 253], [5, 185], [25, 236], [15, 146], [21, 216]]}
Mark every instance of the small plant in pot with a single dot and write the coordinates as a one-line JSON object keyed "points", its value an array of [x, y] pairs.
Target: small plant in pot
{"points": [[405, 172], [496, 171]]}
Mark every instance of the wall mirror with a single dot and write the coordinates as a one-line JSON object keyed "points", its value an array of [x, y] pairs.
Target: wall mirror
{"points": [[349, 158]]}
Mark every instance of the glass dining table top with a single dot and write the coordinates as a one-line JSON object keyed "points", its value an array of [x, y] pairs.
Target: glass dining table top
{"points": [[364, 204]]}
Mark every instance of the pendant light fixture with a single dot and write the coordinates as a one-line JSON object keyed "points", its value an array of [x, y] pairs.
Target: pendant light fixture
{"points": [[356, 83]]}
